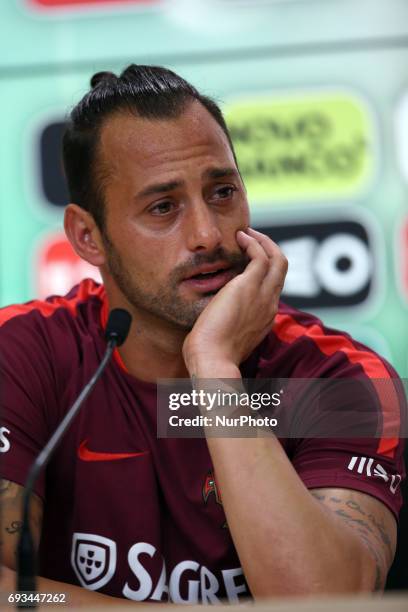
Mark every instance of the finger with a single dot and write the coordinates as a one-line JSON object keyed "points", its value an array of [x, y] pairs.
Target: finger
{"points": [[270, 247], [258, 266], [279, 264], [273, 281]]}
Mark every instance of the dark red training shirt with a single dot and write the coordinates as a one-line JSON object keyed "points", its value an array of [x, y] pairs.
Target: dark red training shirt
{"points": [[135, 516]]}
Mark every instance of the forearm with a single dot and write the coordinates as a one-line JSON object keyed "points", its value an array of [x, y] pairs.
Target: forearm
{"points": [[286, 541]]}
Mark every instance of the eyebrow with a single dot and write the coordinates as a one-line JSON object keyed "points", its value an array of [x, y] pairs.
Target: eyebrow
{"points": [[216, 173], [160, 188], [213, 173]]}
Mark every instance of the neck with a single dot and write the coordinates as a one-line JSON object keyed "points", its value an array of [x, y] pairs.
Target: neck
{"points": [[153, 348], [149, 354]]}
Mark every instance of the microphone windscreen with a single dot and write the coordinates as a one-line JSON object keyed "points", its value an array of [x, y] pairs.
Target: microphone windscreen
{"points": [[118, 325]]}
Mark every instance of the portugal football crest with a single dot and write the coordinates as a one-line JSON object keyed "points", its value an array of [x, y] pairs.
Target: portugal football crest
{"points": [[93, 558], [210, 488]]}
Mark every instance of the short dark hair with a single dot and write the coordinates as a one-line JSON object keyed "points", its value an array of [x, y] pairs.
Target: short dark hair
{"points": [[148, 91]]}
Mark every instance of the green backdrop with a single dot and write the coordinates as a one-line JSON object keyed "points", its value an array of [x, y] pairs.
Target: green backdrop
{"points": [[316, 95]]}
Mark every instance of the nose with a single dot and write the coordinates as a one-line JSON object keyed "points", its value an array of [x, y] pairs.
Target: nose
{"points": [[202, 230]]}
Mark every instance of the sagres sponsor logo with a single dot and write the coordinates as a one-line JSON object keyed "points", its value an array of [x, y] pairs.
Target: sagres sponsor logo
{"points": [[303, 145], [4, 441], [149, 577], [370, 467], [331, 264], [93, 558]]}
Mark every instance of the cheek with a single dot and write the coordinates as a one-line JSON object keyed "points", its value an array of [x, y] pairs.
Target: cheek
{"points": [[157, 257], [245, 222], [240, 221], [244, 215]]}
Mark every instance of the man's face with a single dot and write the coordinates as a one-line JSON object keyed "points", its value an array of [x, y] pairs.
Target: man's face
{"points": [[174, 201]]}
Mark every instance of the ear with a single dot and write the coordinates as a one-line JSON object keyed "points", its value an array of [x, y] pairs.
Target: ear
{"points": [[84, 235]]}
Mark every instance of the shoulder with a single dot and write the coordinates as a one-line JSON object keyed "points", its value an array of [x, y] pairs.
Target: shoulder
{"points": [[75, 305], [301, 345], [364, 385], [58, 326]]}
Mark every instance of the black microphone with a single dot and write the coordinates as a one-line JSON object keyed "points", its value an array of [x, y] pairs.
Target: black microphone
{"points": [[116, 332], [118, 326]]}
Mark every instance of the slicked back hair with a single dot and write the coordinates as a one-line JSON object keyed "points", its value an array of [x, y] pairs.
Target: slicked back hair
{"points": [[149, 92]]}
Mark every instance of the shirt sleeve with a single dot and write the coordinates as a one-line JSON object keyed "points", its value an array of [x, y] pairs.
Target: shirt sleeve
{"points": [[27, 392], [360, 424], [352, 464]]}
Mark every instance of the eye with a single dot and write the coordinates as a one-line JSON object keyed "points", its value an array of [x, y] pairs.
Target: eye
{"points": [[162, 208], [225, 192]]}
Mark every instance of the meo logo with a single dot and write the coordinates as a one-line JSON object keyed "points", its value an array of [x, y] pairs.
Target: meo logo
{"points": [[364, 467], [331, 263]]}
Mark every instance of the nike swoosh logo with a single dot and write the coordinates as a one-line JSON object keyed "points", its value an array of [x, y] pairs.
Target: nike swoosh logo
{"points": [[87, 455]]}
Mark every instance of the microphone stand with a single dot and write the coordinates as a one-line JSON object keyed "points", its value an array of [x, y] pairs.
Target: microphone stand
{"points": [[26, 555]]}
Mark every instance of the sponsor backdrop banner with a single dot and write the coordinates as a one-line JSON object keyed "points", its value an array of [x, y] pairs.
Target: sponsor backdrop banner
{"points": [[316, 96]]}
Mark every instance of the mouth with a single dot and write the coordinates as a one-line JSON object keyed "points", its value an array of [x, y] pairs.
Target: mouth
{"points": [[209, 278]]}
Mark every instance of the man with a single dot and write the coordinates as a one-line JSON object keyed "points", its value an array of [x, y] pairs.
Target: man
{"points": [[159, 206]]}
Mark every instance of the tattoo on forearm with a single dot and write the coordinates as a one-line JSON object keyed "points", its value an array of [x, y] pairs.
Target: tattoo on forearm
{"points": [[5, 485], [355, 506], [351, 519], [11, 506], [385, 538], [380, 574], [371, 531], [10, 490], [318, 496], [15, 527]]}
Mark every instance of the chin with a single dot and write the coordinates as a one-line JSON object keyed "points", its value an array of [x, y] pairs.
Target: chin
{"points": [[206, 298]]}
